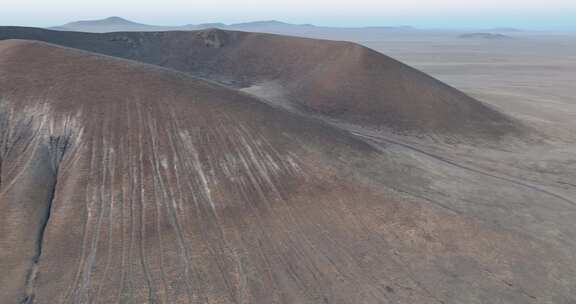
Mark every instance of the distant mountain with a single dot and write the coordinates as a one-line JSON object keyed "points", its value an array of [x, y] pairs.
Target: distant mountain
{"points": [[402, 27], [118, 24], [262, 23], [107, 21], [283, 27], [488, 36], [274, 27], [505, 30], [207, 25], [112, 24]]}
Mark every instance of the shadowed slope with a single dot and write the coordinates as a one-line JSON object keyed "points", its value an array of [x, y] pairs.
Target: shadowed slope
{"points": [[338, 79]]}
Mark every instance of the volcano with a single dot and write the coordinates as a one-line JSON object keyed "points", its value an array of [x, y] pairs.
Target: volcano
{"points": [[230, 167], [339, 80]]}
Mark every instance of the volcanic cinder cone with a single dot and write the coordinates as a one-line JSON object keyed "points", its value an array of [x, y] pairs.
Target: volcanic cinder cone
{"points": [[338, 80]]}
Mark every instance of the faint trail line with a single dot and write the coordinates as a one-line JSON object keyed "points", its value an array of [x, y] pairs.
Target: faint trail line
{"points": [[33, 139], [255, 181], [132, 142], [153, 160], [194, 165], [110, 160], [140, 128], [182, 241], [410, 147], [100, 193], [376, 291], [395, 258], [262, 177], [567, 184], [450, 162], [73, 288], [124, 180]]}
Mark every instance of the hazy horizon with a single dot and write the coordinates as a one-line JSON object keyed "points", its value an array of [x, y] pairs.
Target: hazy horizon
{"points": [[530, 15]]}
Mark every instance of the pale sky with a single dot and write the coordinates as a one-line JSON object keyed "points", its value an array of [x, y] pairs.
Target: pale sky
{"points": [[534, 14]]}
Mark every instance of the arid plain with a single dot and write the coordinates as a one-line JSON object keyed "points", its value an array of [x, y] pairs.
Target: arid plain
{"points": [[530, 77]]}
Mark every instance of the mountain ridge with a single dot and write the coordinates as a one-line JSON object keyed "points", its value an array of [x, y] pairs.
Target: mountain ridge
{"points": [[118, 24]]}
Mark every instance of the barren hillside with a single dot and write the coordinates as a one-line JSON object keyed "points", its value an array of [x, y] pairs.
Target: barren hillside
{"points": [[123, 182]]}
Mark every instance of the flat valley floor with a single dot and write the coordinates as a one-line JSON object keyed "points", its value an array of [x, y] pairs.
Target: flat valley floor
{"points": [[531, 76]]}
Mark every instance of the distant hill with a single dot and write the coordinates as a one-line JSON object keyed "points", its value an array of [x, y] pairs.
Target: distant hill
{"points": [[488, 36], [266, 23], [505, 30], [110, 24], [118, 24], [207, 25], [104, 22]]}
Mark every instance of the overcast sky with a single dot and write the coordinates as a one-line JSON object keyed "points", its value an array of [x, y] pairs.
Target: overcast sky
{"points": [[536, 14]]}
